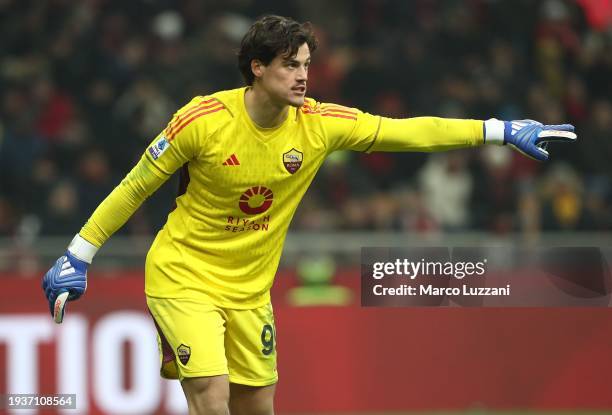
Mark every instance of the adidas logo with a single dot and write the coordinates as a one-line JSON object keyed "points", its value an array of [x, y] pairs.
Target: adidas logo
{"points": [[232, 161], [67, 268]]}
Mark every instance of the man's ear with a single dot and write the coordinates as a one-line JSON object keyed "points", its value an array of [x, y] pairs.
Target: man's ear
{"points": [[258, 68]]}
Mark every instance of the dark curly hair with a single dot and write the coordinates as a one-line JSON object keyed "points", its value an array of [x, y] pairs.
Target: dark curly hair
{"points": [[271, 36]]}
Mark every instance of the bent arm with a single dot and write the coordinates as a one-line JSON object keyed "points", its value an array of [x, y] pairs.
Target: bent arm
{"points": [[144, 179], [427, 134]]}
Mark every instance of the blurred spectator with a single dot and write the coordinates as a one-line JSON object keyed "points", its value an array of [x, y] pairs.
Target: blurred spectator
{"points": [[413, 215], [563, 201], [596, 166], [94, 179], [8, 218], [495, 194], [597, 152], [576, 100], [62, 210], [55, 109], [45, 174], [447, 188]]}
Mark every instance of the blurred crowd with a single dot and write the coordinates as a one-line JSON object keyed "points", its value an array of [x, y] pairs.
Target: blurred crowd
{"points": [[86, 85]]}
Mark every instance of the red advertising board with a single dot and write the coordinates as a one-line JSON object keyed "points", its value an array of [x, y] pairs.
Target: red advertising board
{"points": [[344, 359]]}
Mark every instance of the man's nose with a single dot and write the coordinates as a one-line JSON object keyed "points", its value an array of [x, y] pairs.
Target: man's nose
{"points": [[302, 74]]}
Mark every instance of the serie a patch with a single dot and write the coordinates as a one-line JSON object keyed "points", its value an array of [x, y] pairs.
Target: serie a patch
{"points": [[158, 148]]}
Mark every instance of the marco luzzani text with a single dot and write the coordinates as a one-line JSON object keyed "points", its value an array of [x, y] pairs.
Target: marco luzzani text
{"points": [[421, 272]]}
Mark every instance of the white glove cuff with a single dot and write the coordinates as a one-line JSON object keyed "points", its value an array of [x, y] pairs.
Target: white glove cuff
{"points": [[82, 249], [494, 132]]}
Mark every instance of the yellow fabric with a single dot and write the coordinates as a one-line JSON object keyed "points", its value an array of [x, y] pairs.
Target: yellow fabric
{"points": [[428, 134], [222, 244], [215, 341]]}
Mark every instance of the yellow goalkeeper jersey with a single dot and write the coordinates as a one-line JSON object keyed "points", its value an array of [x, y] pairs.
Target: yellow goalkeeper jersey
{"points": [[223, 241]]}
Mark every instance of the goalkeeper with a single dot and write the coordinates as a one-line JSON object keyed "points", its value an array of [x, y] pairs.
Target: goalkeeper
{"points": [[248, 156]]}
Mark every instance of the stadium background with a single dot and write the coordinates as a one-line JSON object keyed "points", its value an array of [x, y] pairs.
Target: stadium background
{"points": [[85, 85]]}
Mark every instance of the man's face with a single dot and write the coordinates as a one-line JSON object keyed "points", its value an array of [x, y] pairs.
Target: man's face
{"points": [[284, 79]]}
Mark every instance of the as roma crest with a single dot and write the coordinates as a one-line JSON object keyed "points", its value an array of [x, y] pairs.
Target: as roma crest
{"points": [[183, 353], [292, 160]]}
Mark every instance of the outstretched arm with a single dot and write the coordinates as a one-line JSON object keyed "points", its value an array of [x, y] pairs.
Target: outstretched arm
{"points": [[349, 128], [439, 134]]}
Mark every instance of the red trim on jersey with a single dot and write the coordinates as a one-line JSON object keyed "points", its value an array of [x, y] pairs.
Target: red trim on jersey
{"points": [[188, 121], [337, 111], [339, 116], [326, 107], [308, 106], [179, 118], [343, 111], [182, 116], [327, 114]]}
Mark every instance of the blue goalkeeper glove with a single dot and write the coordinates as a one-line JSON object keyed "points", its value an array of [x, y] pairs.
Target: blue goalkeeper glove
{"points": [[67, 278], [528, 136]]}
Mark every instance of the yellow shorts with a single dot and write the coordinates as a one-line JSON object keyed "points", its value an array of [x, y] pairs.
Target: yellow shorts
{"points": [[205, 340]]}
